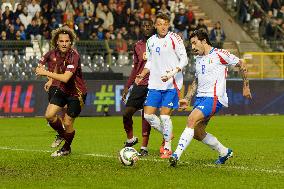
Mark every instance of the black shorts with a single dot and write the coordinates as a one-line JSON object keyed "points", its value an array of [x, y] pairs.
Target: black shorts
{"points": [[51, 92], [137, 96], [74, 104]]}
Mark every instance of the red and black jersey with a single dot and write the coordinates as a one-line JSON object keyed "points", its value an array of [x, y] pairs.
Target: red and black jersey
{"points": [[69, 62], [76, 86], [139, 61], [54, 62]]}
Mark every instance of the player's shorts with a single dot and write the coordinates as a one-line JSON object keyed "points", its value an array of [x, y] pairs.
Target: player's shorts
{"points": [[137, 96], [162, 98], [207, 106], [51, 92], [74, 104]]}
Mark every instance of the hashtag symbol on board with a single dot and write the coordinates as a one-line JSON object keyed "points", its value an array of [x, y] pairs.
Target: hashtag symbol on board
{"points": [[104, 97]]}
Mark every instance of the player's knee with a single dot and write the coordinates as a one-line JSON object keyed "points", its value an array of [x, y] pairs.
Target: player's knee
{"points": [[191, 122], [149, 117], [165, 118], [126, 116], [67, 122], [50, 117]]}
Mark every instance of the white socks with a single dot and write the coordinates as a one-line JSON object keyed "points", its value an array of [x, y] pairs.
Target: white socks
{"points": [[214, 144], [167, 132], [184, 141], [154, 121]]}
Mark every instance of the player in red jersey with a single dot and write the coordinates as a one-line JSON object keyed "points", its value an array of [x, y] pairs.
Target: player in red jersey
{"points": [[53, 61], [138, 93], [71, 88]]}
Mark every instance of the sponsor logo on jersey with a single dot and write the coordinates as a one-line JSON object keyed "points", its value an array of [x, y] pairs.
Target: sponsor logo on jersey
{"points": [[70, 66], [202, 107], [171, 104]]}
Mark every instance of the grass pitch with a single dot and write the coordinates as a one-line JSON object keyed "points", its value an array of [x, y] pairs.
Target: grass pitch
{"points": [[25, 162]]}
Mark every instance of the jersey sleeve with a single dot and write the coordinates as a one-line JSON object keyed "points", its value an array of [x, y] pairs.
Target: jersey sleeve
{"points": [[134, 69], [148, 55], [226, 58], [44, 59], [179, 48], [73, 62]]}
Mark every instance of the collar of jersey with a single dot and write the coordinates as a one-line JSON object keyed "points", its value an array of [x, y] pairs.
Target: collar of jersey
{"points": [[163, 37]]}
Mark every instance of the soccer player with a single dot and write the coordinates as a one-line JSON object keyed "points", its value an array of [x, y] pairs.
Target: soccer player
{"points": [[166, 57], [210, 85], [71, 90], [52, 63], [138, 93]]}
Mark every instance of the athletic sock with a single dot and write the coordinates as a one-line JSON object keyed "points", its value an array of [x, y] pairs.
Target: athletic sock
{"points": [[128, 125], [214, 144], [68, 137], [57, 126], [154, 121], [184, 141], [167, 131]]}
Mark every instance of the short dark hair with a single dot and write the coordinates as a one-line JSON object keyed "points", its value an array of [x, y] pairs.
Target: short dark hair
{"points": [[201, 35], [163, 17], [145, 20]]}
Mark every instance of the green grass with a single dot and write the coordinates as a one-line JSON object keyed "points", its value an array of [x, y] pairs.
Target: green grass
{"points": [[257, 141]]}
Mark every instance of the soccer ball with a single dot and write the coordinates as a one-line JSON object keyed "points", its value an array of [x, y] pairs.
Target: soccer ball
{"points": [[128, 156]]}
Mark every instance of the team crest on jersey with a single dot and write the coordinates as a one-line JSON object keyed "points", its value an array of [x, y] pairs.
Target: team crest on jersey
{"points": [[144, 56]]}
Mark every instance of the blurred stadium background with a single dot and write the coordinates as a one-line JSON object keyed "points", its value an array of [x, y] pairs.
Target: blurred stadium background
{"points": [[107, 31]]}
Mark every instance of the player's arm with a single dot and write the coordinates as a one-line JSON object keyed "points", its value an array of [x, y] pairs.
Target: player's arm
{"points": [[185, 102], [70, 70], [182, 55], [60, 77], [243, 70], [226, 58], [140, 76], [147, 66], [132, 76], [48, 84]]}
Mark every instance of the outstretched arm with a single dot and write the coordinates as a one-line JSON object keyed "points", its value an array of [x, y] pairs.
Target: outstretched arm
{"points": [[185, 102], [243, 70]]}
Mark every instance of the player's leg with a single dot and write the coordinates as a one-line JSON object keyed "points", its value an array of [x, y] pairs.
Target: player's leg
{"points": [[152, 118], [152, 103], [187, 135], [146, 128], [169, 103], [51, 109], [207, 138], [55, 122], [74, 107], [167, 131], [134, 102], [128, 126], [201, 135], [55, 98]]}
